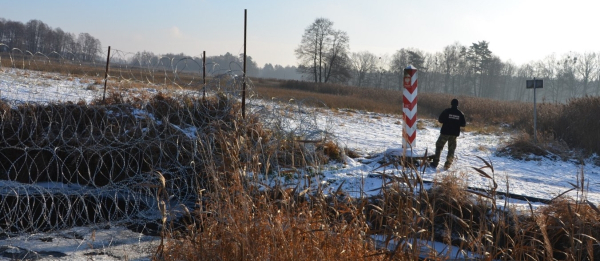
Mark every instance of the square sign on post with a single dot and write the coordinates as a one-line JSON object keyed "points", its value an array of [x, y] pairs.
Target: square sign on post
{"points": [[530, 84]]}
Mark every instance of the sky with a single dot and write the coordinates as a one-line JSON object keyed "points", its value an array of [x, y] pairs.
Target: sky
{"points": [[521, 31]]}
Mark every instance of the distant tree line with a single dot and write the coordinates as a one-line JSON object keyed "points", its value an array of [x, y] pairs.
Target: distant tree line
{"points": [[324, 56], [280, 72], [37, 37], [219, 64]]}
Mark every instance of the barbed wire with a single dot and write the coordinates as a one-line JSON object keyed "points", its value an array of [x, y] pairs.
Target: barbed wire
{"points": [[78, 164], [173, 70], [68, 158]]}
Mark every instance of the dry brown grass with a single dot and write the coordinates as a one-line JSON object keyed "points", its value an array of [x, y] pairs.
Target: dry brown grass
{"points": [[239, 218], [239, 221], [578, 124], [121, 76], [572, 229], [560, 128], [277, 224], [334, 96], [482, 114]]}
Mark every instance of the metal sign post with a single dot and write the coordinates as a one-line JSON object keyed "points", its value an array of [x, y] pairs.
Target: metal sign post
{"points": [[534, 84], [244, 80]]}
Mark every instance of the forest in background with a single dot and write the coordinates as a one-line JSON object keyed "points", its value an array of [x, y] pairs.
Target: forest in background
{"points": [[324, 56], [36, 37]]}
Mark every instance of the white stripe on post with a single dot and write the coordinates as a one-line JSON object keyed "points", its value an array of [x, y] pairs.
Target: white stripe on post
{"points": [[409, 110]]}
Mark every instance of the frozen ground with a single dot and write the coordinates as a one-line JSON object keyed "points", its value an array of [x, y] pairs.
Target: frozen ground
{"points": [[80, 243], [377, 135], [373, 136]]}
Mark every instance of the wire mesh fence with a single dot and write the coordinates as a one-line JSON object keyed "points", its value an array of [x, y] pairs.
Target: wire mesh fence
{"points": [[130, 69]]}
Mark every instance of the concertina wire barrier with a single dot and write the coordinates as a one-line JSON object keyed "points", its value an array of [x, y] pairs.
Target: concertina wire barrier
{"points": [[73, 160]]}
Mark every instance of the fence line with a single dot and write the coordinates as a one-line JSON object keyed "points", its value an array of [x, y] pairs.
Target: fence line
{"points": [[68, 159]]}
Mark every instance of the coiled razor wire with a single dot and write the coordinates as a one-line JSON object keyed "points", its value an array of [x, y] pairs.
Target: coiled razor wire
{"points": [[64, 164], [70, 160]]}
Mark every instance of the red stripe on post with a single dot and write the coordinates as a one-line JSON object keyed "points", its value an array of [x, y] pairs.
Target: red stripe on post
{"points": [[409, 101]]}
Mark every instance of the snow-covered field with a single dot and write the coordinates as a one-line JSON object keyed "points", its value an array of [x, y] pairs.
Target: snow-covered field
{"points": [[373, 136], [379, 135]]}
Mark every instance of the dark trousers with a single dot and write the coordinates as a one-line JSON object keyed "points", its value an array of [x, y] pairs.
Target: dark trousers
{"points": [[439, 146]]}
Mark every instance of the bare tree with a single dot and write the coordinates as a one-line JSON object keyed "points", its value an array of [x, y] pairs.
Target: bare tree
{"points": [[323, 52], [338, 61], [384, 78], [547, 69], [89, 47], [435, 72], [56, 41], [35, 31], [451, 62], [507, 81], [363, 63], [567, 80], [14, 35], [404, 57], [585, 70], [70, 48]]}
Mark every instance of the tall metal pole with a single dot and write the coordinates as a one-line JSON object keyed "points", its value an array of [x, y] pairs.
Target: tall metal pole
{"points": [[106, 76], [244, 80], [203, 74], [534, 114]]}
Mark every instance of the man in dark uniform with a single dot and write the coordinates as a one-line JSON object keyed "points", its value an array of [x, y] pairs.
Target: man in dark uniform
{"points": [[452, 119]]}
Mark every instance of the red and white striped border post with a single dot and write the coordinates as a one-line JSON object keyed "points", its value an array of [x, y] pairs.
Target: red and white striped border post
{"points": [[409, 110]]}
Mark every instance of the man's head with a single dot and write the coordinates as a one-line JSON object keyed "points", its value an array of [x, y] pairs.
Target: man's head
{"points": [[454, 103]]}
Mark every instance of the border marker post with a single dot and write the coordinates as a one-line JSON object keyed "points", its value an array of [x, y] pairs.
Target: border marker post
{"points": [[409, 110]]}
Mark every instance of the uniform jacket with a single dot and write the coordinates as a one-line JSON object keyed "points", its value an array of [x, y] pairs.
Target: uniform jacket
{"points": [[452, 119]]}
